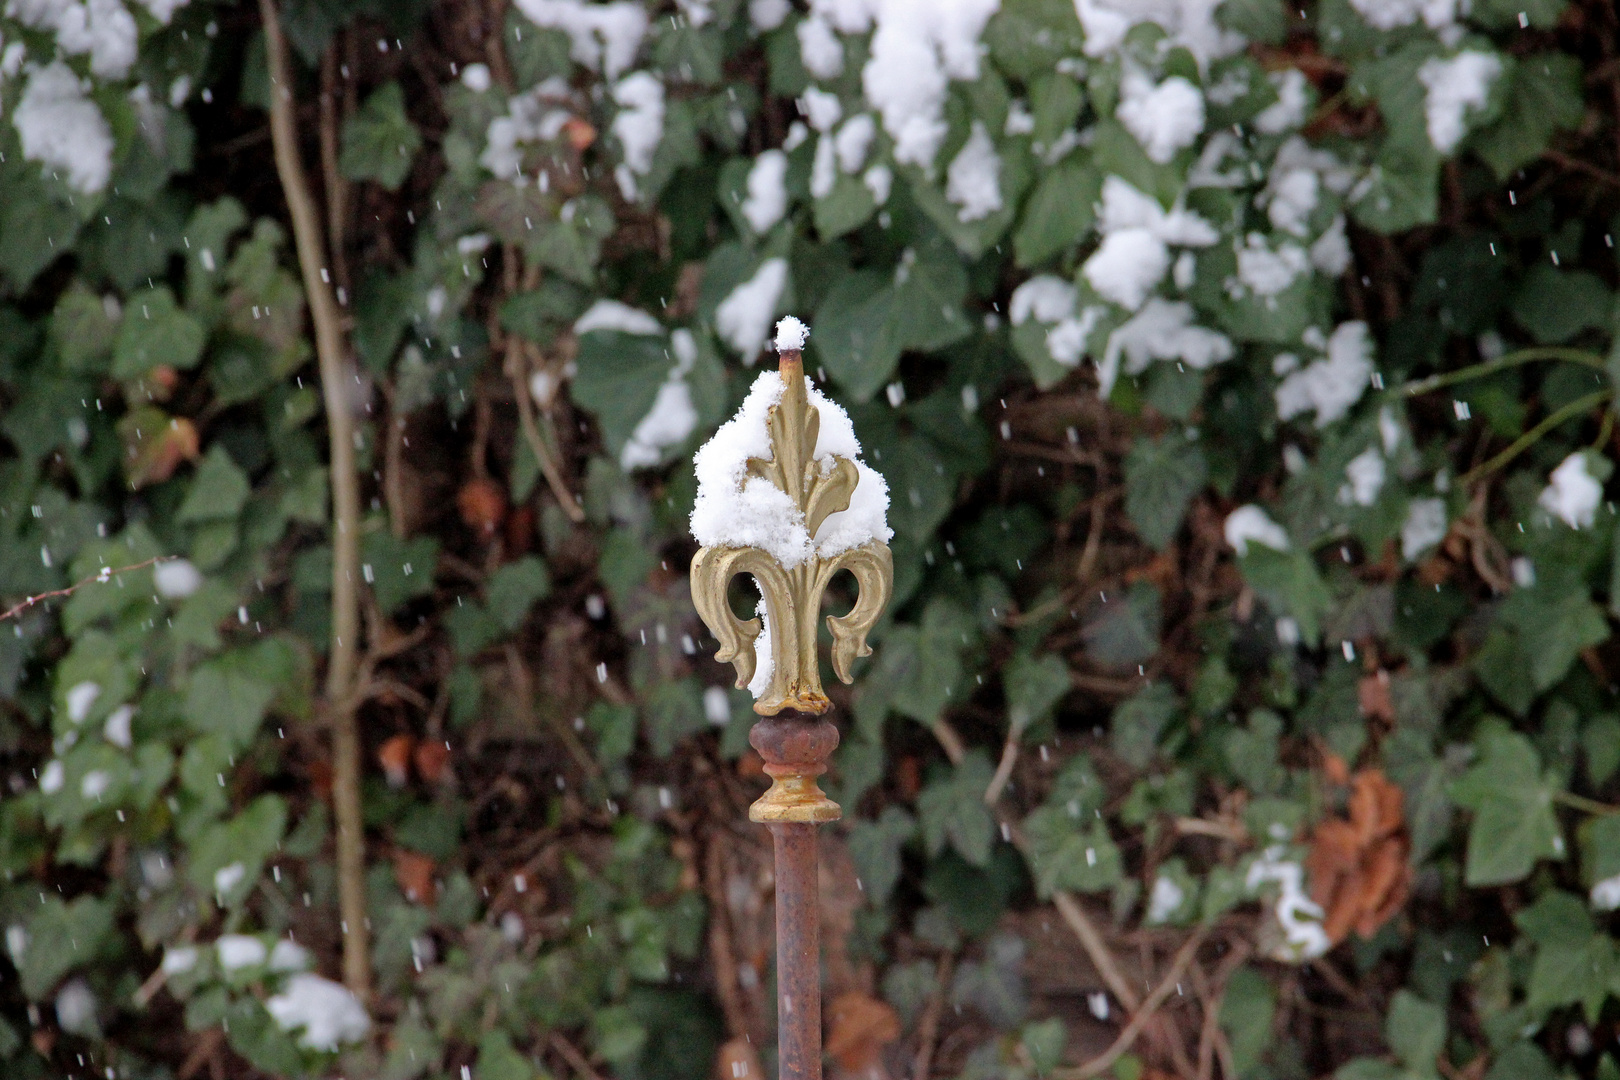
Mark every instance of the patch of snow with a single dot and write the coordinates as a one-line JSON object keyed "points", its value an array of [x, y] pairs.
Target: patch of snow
{"points": [[743, 319], [535, 115], [179, 959], [878, 180], [327, 1012], [1165, 118], [80, 699], [1020, 121], [1573, 493], [475, 77], [734, 509], [853, 140], [1137, 233], [95, 783], [1606, 894], [1298, 916], [176, 579], [1455, 86], [1162, 330], [821, 108], [639, 126], [819, 48], [1288, 111], [1332, 384], [179, 91], [917, 47], [1389, 429], [289, 956], [1046, 297], [717, 706], [672, 418], [76, 1008], [697, 12], [102, 28], [1164, 901], [472, 244], [1290, 197], [237, 951], [614, 315], [603, 37], [790, 333], [227, 878], [17, 943], [764, 658], [1524, 572], [973, 180], [766, 15], [1331, 252], [797, 133], [1066, 341], [1390, 14], [1424, 527], [1364, 477], [767, 191], [824, 169], [1249, 524], [62, 129], [1188, 23], [52, 777], [1265, 271], [163, 10]]}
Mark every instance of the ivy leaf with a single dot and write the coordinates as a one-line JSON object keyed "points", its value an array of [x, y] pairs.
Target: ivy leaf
{"points": [[1289, 583], [514, 588], [155, 331], [217, 492], [1059, 213], [1574, 963], [1139, 720], [1416, 1031], [60, 938], [1248, 1008], [618, 379], [398, 569], [379, 141], [920, 665], [1070, 851], [1034, 686], [1514, 825], [1161, 477], [1543, 96], [874, 846], [952, 810], [858, 334], [1555, 305], [229, 695], [229, 856], [83, 328], [1125, 630]]}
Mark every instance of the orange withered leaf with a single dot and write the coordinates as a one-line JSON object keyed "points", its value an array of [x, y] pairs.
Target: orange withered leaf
{"points": [[413, 872], [1358, 866], [859, 1027], [394, 755]]}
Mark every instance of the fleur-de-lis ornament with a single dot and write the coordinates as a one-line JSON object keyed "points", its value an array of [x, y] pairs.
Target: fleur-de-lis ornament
{"points": [[815, 490], [765, 514]]}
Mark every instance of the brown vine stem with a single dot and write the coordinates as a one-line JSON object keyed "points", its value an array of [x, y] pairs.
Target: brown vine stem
{"points": [[343, 658], [103, 575], [1139, 1019]]}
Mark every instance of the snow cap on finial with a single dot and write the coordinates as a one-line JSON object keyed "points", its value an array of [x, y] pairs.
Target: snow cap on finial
{"points": [[790, 334]]}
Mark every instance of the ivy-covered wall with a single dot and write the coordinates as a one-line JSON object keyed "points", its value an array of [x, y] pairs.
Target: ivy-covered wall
{"points": [[1239, 371]]}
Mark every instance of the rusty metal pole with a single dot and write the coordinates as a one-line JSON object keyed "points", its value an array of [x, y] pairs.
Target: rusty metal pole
{"points": [[795, 752], [793, 736]]}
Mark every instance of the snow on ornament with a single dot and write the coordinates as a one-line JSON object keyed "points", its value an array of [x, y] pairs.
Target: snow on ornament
{"points": [[783, 496]]}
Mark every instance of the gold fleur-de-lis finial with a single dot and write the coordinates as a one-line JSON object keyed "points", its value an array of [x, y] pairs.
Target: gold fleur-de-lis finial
{"points": [[816, 488]]}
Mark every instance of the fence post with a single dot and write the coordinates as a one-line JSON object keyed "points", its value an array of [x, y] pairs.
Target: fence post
{"points": [[793, 735]]}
